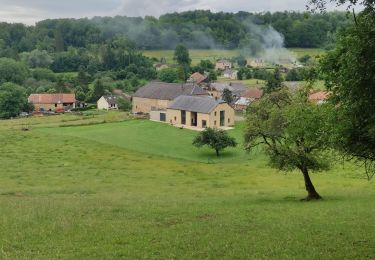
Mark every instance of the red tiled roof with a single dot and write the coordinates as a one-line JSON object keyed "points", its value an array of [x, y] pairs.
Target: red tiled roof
{"points": [[52, 98], [255, 93], [197, 77], [319, 96]]}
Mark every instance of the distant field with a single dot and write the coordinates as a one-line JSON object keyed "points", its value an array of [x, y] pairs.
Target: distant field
{"points": [[198, 55], [195, 55], [312, 52], [139, 190]]}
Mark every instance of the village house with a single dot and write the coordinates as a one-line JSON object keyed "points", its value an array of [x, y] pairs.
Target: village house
{"points": [[52, 102], [223, 65], [257, 63], [241, 104], [158, 95], [319, 97], [253, 93], [197, 78], [216, 89], [161, 66], [247, 97], [230, 74], [107, 103], [199, 112]]}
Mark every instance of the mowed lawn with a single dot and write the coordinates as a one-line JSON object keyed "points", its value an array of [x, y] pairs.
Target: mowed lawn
{"points": [[154, 138], [90, 192]]}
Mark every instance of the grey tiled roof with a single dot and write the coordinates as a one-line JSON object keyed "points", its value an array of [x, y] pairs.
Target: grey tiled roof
{"points": [[168, 91], [112, 100], [195, 104]]}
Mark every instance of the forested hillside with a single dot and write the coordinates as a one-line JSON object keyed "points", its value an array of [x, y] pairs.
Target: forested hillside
{"points": [[196, 29]]}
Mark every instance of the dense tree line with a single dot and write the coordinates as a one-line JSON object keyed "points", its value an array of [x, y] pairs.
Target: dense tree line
{"points": [[195, 29]]}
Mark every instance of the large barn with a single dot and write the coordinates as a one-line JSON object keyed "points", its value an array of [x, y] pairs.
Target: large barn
{"points": [[196, 112], [52, 102], [158, 95]]}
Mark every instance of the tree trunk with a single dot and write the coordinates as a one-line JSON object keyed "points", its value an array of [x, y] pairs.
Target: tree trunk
{"points": [[217, 152], [312, 194]]}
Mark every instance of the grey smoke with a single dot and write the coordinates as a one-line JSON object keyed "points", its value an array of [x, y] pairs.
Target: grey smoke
{"points": [[266, 44]]}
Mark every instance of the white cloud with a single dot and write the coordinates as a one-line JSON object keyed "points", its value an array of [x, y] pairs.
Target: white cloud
{"points": [[29, 12]]}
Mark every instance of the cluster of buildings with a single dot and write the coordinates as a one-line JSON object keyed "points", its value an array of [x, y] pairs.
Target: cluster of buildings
{"points": [[196, 104]]}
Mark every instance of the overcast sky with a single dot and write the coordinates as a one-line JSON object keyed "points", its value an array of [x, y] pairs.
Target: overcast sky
{"points": [[31, 11]]}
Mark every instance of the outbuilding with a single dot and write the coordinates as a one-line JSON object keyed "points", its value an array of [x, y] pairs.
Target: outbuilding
{"points": [[107, 103]]}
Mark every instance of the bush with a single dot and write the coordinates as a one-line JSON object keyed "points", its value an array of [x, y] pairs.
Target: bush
{"points": [[168, 75]]}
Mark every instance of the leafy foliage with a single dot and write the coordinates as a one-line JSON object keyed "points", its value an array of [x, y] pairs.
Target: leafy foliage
{"points": [[216, 139], [349, 73], [274, 81], [227, 96], [124, 105], [12, 71], [13, 100], [293, 132], [168, 75]]}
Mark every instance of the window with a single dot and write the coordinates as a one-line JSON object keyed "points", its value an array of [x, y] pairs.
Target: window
{"points": [[228, 120], [175, 118], [183, 117], [215, 122], [222, 118], [55, 105], [215, 113], [204, 123]]}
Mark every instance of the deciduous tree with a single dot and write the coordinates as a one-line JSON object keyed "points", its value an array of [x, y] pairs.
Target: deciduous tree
{"points": [[292, 131], [216, 139]]}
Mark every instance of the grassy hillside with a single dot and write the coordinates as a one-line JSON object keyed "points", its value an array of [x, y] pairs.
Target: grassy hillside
{"points": [[129, 190]]}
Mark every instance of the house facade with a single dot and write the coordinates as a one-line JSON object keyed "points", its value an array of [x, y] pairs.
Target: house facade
{"points": [[223, 65], [230, 74], [107, 103], [216, 89], [52, 102], [199, 112], [158, 95]]}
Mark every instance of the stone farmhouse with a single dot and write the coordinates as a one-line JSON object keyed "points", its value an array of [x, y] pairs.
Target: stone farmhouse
{"points": [[158, 95], [53, 102], [196, 112]]}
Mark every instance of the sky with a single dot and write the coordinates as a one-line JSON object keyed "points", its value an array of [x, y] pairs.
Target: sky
{"points": [[31, 11]]}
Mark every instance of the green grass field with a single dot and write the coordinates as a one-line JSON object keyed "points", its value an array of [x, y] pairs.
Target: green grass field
{"points": [[215, 54], [135, 189]]}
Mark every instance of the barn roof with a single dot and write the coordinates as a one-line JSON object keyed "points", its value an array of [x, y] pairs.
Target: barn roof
{"points": [[235, 88], [168, 91], [198, 77], [112, 100], [52, 98], [198, 104], [319, 96], [253, 92]]}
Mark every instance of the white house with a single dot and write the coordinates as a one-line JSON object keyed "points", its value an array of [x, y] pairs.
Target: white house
{"points": [[107, 102], [230, 74]]}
